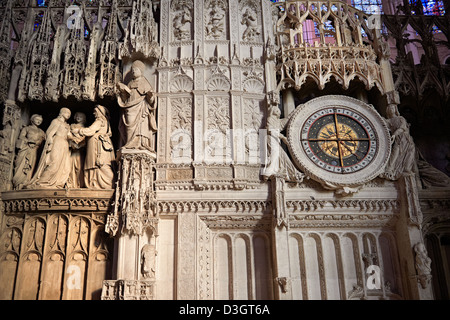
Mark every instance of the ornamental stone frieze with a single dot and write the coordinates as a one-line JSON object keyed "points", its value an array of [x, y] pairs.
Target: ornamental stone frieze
{"points": [[127, 290], [54, 200]]}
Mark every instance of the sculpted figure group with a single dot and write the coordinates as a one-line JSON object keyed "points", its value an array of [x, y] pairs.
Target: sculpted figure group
{"points": [[79, 156], [73, 155]]}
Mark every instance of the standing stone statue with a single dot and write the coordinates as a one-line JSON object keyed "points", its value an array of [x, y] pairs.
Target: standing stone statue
{"points": [[54, 166], [76, 177], [138, 102], [30, 138], [148, 254], [278, 162], [403, 152], [98, 172]]}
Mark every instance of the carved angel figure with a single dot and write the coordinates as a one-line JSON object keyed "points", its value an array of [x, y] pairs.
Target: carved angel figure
{"points": [[215, 26], [138, 103], [181, 26], [403, 152], [98, 172], [251, 21], [54, 166], [30, 138], [278, 162]]}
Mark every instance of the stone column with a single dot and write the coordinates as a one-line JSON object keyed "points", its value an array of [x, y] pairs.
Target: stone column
{"points": [[134, 222], [280, 238]]}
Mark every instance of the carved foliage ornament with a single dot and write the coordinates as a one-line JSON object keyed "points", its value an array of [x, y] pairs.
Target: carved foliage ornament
{"points": [[339, 141]]}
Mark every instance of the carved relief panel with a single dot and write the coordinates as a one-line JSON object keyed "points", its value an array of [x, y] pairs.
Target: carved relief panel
{"points": [[217, 66], [27, 285], [181, 130], [182, 19], [217, 136], [61, 256], [250, 21], [55, 258], [9, 259], [254, 121], [215, 15]]}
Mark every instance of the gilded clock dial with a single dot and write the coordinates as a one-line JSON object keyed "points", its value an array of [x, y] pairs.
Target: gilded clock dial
{"points": [[339, 140]]}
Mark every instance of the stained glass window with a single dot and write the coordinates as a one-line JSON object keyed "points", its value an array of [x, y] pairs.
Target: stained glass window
{"points": [[431, 7], [369, 6]]}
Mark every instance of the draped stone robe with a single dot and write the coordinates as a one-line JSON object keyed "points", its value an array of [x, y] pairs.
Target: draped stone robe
{"points": [[138, 120]]}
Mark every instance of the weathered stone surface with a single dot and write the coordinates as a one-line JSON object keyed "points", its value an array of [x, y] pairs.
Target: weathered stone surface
{"points": [[204, 192]]}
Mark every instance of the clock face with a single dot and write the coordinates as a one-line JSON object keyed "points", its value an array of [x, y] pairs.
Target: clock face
{"points": [[338, 140]]}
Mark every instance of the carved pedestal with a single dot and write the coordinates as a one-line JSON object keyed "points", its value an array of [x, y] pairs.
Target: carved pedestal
{"points": [[134, 222]]}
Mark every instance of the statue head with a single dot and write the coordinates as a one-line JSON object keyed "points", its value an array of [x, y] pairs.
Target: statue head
{"points": [[275, 111], [65, 113], [420, 248], [102, 111], [137, 68], [79, 117], [36, 119], [392, 111]]}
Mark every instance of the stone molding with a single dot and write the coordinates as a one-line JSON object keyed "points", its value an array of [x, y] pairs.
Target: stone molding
{"points": [[26, 201]]}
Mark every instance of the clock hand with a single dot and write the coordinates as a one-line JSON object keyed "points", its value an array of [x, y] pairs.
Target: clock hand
{"points": [[350, 150], [336, 123]]}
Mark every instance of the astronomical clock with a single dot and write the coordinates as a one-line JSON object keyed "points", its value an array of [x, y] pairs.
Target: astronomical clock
{"points": [[339, 141]]}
